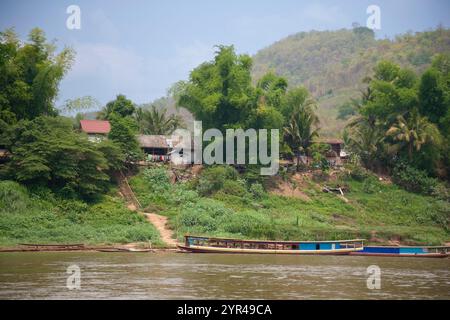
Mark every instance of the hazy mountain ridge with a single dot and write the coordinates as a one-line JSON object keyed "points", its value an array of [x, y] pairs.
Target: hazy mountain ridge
{"points": [[331, 64]]}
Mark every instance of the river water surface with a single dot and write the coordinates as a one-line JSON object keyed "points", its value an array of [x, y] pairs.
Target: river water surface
{"points": [[43, 275]]}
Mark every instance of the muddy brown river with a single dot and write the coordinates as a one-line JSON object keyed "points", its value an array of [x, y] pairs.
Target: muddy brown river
{"points": [[44, 275]]}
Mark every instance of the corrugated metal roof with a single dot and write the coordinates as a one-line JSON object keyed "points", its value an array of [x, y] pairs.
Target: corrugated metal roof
{"points": [[153, 141]]}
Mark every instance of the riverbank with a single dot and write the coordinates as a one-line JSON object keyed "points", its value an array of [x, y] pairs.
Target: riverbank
{"points": [[41, 217], [280, 208], [219, 202]]}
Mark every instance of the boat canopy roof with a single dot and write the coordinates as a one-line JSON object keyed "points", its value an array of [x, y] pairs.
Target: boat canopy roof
{"points": [[426, 247], [269, 241]]}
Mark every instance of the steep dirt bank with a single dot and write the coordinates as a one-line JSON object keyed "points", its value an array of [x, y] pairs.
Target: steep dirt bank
{"points": [[158, 221]]}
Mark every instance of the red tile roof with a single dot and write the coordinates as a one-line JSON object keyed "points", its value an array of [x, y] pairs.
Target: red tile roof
{"points": [[95, 126]]}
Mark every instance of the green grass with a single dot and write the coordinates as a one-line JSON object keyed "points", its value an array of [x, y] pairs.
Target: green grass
{"points": [[41, 218], [383, 211]]}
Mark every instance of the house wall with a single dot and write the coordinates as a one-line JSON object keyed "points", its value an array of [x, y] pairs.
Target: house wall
{"points": [[156, 151], [96, 137], [336, 148]]}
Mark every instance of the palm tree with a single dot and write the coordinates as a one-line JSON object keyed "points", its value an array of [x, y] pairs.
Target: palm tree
{"points": [[358, 104], [300, 130], [157, 122], [413, 132], [366, 139]]}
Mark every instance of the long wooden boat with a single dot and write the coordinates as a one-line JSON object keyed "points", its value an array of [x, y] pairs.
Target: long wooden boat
{"points": [[124, 250], [50, 247], [222, 245], [405, 251]]}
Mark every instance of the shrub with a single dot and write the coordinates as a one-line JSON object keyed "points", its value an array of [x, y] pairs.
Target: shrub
{"points": [[215, 209], [441, 215], [441, 192], [257, 191], [212, 179], [182, 195], [234, 187], [250, 224], [357, 172], [412, 179], [191, 218], [74, 210], [157, 178], [206, 214], [252, 174], [370, 185], [13, 196]]}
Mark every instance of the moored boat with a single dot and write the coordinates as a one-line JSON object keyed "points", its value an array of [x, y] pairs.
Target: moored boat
{"points": [[222, 245], [404, 251]]}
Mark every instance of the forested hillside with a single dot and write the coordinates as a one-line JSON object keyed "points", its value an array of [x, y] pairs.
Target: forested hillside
{"points": [[331, 64]]}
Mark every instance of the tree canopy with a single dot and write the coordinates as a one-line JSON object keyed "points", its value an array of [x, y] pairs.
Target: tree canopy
{"points": [[30, 73], [121, 106], [221, 94], [46, 151], [403, 116]]}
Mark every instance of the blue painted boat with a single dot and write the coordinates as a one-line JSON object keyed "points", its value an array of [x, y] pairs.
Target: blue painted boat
{"points": [[405, 251]]}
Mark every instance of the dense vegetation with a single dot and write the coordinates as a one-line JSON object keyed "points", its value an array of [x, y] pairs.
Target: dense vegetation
{"points": [[66, 190], [39, 216], [221, 202], [46, 151], [331, 64], [220, 93], [403, 121]]}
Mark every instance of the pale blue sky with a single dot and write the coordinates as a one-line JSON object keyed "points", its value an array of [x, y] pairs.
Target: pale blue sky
{"points": [[139, 48]]}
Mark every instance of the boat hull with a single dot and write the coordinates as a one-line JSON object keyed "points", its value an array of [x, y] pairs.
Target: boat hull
{"points": [[403, 255], [404, 251], [206, 249]]}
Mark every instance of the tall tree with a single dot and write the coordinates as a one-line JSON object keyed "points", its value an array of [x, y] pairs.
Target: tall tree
{"points": [[219, 92], [123, 133], [271, 90], [30, 73], [302, 125], [121, 107], [434, 95], [434, 90]]}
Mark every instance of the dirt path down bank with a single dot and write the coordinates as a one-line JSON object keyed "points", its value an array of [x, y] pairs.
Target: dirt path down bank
{"points": [[160, 223]]}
